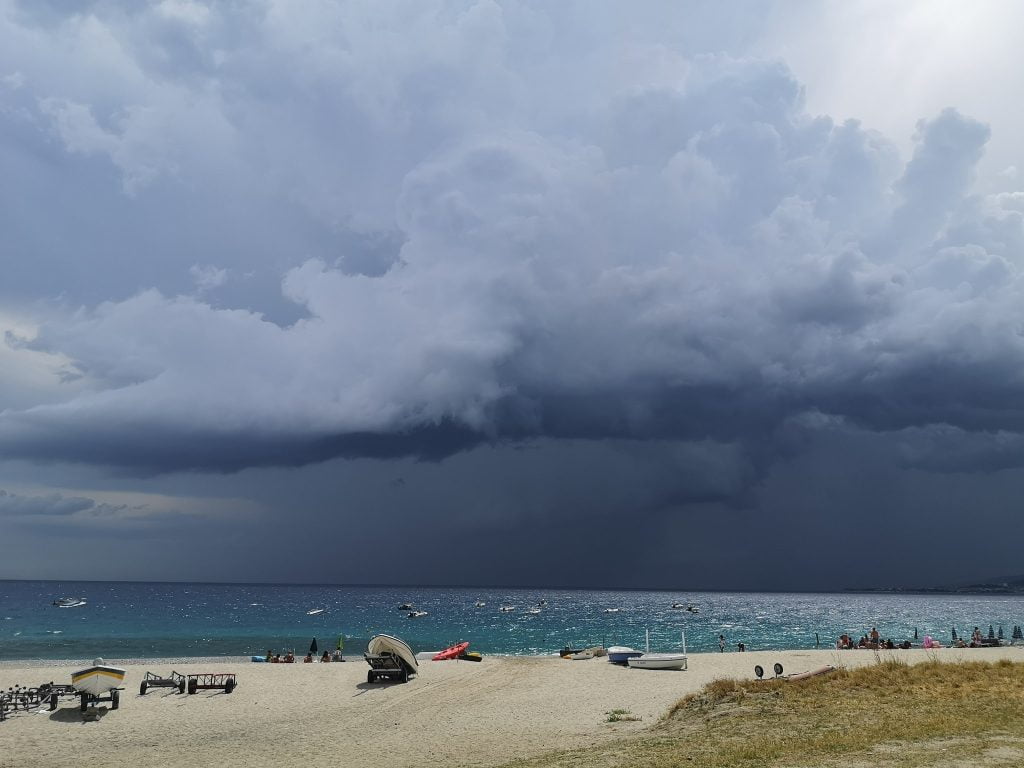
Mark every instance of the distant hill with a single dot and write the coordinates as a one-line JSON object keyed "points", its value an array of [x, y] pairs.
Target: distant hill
{"points": [[1006, 585]]}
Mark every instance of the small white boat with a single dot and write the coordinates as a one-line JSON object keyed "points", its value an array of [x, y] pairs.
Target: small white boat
{"points": [[650, 660], [658, 661], [69, 602], [581, 655], [416, 614], [97, 680], [611, 610], [507, 608], [315, 612], [387, 645], [480, 603], [533, 610]]}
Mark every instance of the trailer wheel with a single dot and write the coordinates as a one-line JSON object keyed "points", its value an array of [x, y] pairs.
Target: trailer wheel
{"points": [[405, 676], [370, 676], [193, 686], [115, 699], [229, 686], [142, 688], [85, 701], [181, 687]]}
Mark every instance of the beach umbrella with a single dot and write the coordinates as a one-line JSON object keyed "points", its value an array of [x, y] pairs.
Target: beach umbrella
{"points": [[341, 642], [312, 647], [999, 634], [991, 634], [915, 633], [954, 634]]}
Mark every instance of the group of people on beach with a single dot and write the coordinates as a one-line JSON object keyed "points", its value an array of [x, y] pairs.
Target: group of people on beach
{"points": [[289, 657], [872, 640]]}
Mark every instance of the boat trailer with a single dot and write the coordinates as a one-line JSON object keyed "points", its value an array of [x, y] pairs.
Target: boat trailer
{"points": [[153, 680], [225, 682], [26, 699]]}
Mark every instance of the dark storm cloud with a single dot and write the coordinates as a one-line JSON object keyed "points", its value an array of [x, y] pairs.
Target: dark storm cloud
{"points": [[475, 239]]}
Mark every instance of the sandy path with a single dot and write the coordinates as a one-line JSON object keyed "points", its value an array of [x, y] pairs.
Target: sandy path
{"points": [[453, 713]]}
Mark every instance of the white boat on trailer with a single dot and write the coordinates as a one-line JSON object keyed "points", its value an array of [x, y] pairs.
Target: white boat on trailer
{"points": [[100, 682], [650, 660]]}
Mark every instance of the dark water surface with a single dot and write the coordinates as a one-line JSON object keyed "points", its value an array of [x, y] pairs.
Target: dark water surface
{"points": [[160, 620]]}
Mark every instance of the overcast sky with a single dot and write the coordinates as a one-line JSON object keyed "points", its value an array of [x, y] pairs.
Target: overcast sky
{"points": [[678, 294]]}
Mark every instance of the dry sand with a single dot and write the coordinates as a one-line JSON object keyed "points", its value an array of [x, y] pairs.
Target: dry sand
{"points": [[452, 714]]}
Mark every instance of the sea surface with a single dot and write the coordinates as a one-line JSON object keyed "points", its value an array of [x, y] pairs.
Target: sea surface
{"points": [[163, 620]]}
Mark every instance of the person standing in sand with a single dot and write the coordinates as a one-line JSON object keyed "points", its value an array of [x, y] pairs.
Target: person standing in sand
{"points": [[721, 643]]}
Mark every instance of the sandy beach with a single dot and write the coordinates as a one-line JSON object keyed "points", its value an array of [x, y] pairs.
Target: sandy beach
{"points": [[453, 713]]}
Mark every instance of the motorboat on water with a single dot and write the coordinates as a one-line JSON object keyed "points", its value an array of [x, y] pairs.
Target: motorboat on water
{"points": [[480, 603], [406, 607], [612, 610], [621, 654], [416, 614], [533, 610], [507, 608], [686, 607], [69, 602]]}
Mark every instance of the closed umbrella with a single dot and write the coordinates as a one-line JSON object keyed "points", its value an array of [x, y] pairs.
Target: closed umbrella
{"points": [[341, 642], [312, 647]]}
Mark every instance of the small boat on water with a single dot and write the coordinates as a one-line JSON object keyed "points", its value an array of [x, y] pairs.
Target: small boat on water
{"points": [[69, 602], [533, 610], [452, 652], [315, 612], [507, 608], [480, 603], [620, 654], [611, 610], [416, 614], [406, 607]]}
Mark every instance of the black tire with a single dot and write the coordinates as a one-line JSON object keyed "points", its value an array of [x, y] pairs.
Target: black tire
{"points": [[85, 701], [115, 699], [405, 676], [142, 688], [759, 671], [778, 669], [193, 686], [181, 687], [229, 686], [370, 676]]}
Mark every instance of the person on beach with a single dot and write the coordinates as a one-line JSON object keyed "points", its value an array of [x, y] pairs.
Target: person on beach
{"points": [[325, 658], [308, 659], [721, 643], [874, 636]]}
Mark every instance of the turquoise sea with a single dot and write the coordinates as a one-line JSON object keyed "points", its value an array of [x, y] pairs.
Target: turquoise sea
{"points": [[158, 620]]}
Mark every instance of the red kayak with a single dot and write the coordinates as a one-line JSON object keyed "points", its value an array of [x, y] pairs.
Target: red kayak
{"points": [[451, 653]]}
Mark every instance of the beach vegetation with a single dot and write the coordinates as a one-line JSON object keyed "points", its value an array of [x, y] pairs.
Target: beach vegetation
{"points": [[886, 714], [620, 715]]}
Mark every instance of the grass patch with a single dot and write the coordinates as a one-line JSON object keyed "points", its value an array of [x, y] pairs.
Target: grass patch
{"points": [[888, 714], [620, 715]]}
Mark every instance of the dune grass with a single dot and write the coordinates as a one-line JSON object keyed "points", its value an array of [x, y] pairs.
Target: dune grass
{"points": [[888, 714]]}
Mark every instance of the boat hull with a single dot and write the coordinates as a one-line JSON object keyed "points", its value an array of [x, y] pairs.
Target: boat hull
{"points": [[97, 680], [658, 661], [619, 654], [452, 652], [380, 644]]}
